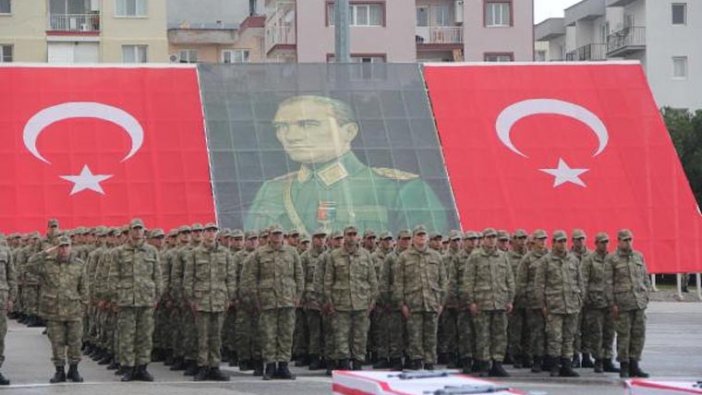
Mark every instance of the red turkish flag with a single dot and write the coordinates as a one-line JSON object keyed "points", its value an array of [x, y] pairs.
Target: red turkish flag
{"points": [[558, 146], [93, 146]]}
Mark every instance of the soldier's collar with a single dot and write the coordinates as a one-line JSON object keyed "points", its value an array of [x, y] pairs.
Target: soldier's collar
{"points": [[331, 172]]}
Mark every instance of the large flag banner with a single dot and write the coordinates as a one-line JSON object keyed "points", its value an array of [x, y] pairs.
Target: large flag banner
{"points": [[558, 146], [312, 146], [94, 146]]}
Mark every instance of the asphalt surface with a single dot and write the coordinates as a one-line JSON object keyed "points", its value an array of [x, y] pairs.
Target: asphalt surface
{"points": [[673, 351]]}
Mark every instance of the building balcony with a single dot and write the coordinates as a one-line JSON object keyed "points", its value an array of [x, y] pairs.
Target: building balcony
{"points": [[549, 29], [626, 41], [280, 37], [78, 23], [584, 10], [588, 52], [442, 35], [190, 35]]}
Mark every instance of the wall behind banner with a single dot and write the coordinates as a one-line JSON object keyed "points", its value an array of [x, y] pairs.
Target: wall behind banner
{"points": [[324, 145]]}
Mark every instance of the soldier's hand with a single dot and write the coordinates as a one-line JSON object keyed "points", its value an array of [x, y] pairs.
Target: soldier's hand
{"points": [[544, 310], [510, 307], [371, 308], [474, 310], [331, 308], [9, 305], [405, 311], [615, 311], [441, 310]]}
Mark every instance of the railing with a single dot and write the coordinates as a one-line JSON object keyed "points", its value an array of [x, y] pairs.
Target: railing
{"points": [[439, 35], [588, 52], [280, 35], [74, 22], [633, 36]]}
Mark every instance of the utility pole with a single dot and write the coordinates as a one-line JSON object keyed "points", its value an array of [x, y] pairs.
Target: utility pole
{"points": [[341, 23]]}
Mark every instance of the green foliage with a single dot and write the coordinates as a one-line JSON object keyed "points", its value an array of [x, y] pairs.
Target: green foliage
{"points": [[685, 129]]}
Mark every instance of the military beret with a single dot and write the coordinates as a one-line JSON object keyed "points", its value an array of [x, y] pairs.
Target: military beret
{"points": [[319, 232], [249, 235], [237, 234], [519, 233], [601, 236], [418, 230], [470, 234], [624, 234], [350, 229], [64, 241], [53, 223], [276, 228], [578, 234], [487, 232], [369, 233], [540, 234], [404, 233], [455, 235], [196, 227], [184, 229], [385, 236], [560, 235], [502, 235], [210, 225]]}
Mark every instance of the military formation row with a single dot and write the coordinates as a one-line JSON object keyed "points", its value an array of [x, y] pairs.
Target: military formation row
{"points": [[197, 296]]}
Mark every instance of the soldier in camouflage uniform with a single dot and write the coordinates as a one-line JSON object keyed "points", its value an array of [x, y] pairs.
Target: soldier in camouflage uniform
{"points": [[466, 338], [419, 290], [580, 251], [8, 294], [488, 289], [175, 292], [350, 289], [525, 292], [247, 345], [30, 283], [235, 239], [396, 322], [138, 280], [209, 284], [310, 301], [327, 330], [518, 335], [160, 338], [598, 329], [274, 280], [448, 341], [380, 332], [64, 297], [558, 290], [166, 303], [627, 287]]}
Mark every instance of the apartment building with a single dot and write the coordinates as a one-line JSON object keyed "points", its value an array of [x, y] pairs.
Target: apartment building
{"points": [[662, 34], [83, 31]]}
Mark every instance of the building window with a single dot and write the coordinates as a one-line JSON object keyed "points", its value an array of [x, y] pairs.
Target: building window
{"points": [[187, 56], [499, 57], [422, 16], [235, 56], [679, 14], [5, 53], [441, 15], [540, 56], [498, 13], [5, 7], [134, 53], [680, 67], [360, 14], [130, 7]]}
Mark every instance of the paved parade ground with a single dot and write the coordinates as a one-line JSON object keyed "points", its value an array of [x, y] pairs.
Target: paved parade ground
{"points": [[673, 351]]}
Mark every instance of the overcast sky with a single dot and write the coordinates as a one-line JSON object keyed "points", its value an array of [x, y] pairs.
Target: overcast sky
{"points": [[550, 8]]}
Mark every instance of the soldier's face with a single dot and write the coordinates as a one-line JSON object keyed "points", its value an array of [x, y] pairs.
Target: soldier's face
{"points": [[369, 242], [304, 246], [519, 242], [503, 244], [578, 243], [435, 243], [310, 133], [275, 239], [404, 242], [490, 241], [318, 241], [351, 239], [184, 237], [294, 240], [52, 230], [601, 246], [136, 233], [252, 243], [559, 245], [420, 240], [64, 251], [196, 235], [539, 243], [157, 242], [455, 244], [470, 243], [237, 242], [210, 235], [336, 242], [625, 244]]}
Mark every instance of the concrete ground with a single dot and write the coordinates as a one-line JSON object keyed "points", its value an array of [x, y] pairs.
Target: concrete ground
{"points": [[673, 351]]}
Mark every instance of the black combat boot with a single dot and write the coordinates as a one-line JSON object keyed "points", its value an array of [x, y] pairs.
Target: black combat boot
{"points": [[106, 359], [452, 361], [142, 374], [483, 368], [635, 370], [508, 358], [244, 365], [331, 366], [467, 363], [566, 369], [518, 362], [343, 364], [269, 372], [301, 361], [442, 359], [396, 364], [4, 380], [191, 368], [120, 371], [258, 368], [217, 375], [35, 322], [73, 374], [114, 365], [356, 364], [624, 369], [233, 359], [428, 366], [168, 357], [608, 366], [315, 362], [598, 365], [587, 362], [283, 372], [536, 365], [382, 363], [59, 376], [178, 364], [202, 374], [553, 363], [157, 355], [498, 370], [576, 362], [527, 362], [128, 373]]}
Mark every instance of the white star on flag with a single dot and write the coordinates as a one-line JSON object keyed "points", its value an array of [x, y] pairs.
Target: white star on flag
{"points": [[87, 180], [563, 173]]}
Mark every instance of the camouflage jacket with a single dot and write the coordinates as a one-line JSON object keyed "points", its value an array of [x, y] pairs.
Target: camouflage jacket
{"points": [[593, 271], [8, 277], [137, 275], [419, 280], [209, 282], [272, 277], [487, 280], [558, 284], [64, 288], [91, 270], [178, 261], [310, 259], [525, 295], [379, 256], [238, 260], [452, 263], [627, 281], [350, 281]]}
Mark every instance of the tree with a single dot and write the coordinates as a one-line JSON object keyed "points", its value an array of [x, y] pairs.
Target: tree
{"points": [[685, 130]]}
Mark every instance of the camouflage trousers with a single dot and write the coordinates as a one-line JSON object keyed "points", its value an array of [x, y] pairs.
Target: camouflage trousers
{"points": [[598, 333], [537, 332], [466, 340], [396, 333], [136, 329], [490, 335], [314, 329], [422, 329], [518, 332], [162, 325], [448, 331], [631, 334], [560, 333], [30, 299], [300, 335], [379, 333], [177, 335], [276, 327], [578, 336], [3, 332], [90, 326], [328, 337], [189, 343], [350, 334], [248, 345], [65, 338], [229, 331], [209, 338]]}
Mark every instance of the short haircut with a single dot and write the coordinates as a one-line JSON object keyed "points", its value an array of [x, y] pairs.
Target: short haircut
{"points": [[341, 110]]}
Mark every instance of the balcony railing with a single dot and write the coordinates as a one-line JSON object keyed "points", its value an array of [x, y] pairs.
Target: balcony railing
{"points": [[74, 22], [280, 35], [439, 35], [627, 40], [588, 52]]}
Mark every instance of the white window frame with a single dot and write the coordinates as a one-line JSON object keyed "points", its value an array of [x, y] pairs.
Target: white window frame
{"points": [[9, 5], [441, 15], [189, 55], [244, 55], [135, 48], [495, 16], [672, 14], [498, 57], [2, 53], [137, 8], [356, 10], [685, 67], [425, 9]]}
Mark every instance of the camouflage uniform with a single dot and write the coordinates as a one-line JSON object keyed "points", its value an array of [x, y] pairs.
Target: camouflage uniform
{"points": [[448, 321], [380, 332], [247, 340], [580, 254], [517, 328], [187, 339], [526, 292], [397, 330], [8, 291], [310, 301], [598, 330]]}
